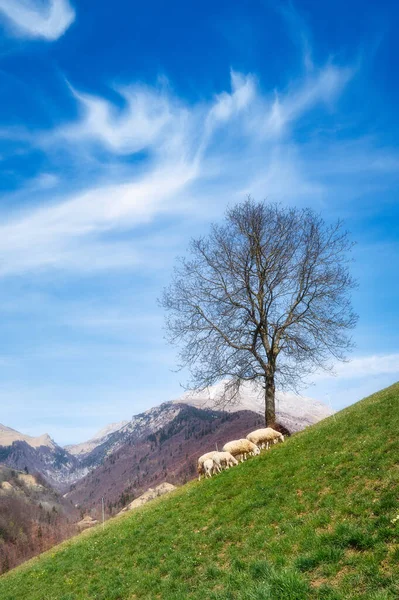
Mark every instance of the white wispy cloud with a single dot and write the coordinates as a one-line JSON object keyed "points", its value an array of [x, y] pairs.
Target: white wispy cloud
{"points": [[322, 87], [224, 143], [298, 30], [243, 93], [36, 19], [364, 367], [149, 117], [66, 234]]}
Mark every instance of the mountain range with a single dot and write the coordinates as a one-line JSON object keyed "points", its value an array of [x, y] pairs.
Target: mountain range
{"points": [[162, 443]]}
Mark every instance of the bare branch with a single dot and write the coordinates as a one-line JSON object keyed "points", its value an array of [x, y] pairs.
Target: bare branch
{"points": [[264, 297]]}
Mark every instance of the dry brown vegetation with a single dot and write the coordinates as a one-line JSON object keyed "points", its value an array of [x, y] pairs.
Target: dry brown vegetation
{"points": [[33, 517]]}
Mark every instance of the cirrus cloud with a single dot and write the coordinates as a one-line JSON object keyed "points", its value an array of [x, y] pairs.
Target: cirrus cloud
{"points": [[32, 19], [176, 152]]}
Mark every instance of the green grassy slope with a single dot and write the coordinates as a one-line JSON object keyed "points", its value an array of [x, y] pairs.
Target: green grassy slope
{"points": [[312, 518]]}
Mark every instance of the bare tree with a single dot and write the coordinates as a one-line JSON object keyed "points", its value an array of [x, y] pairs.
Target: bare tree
{"points": [[265, 296]]}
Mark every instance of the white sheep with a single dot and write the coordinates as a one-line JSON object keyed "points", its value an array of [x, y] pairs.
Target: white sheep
{"points": [[241, 448], [224, 460], [220, 460], [263, 438], [209, 467], [200, 463]]}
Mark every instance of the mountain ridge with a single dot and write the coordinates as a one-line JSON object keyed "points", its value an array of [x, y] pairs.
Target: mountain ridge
{"points": [[67, 466], [9, 435], [293, 411], [98, 438]]}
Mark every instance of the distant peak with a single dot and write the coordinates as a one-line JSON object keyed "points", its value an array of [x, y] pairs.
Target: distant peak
{"points": [[9, 435], [96, 440], [293, 410]]}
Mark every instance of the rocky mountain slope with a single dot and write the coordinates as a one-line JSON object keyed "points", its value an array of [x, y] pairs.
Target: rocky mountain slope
{"points": [[100, 438], [160, 445], [293, 412], [39, 455], [91, 454]]}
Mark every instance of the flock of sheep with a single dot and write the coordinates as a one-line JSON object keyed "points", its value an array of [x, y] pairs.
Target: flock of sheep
{"points": [[214, 462]]}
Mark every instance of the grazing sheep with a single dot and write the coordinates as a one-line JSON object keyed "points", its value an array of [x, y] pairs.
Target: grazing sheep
{"points": [[201, 461], [203, 458], [224, 460], [263, 438], [220, 460], [209, 467], [241, 448]]}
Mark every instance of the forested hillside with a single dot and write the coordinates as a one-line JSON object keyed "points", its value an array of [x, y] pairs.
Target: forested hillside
{"points": [[33, 517]]}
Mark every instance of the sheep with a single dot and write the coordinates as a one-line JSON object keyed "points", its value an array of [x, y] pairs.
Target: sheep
{"points": [[200, 464], [263, 438], [241, 448], [209, 466], [224, 459], [219, 459]]}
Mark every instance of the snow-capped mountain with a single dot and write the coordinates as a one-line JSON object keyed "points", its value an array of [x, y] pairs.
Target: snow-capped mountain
{"points": [[295, 412]]}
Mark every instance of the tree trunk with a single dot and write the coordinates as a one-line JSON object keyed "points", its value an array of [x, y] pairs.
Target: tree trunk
{"points": [[270, 405]]}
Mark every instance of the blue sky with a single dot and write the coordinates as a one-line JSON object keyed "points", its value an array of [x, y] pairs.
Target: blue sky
{"points": [[125, 129]]}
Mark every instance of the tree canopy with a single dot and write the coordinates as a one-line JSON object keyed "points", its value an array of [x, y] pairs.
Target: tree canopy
{"points": [[265, 296]]}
